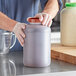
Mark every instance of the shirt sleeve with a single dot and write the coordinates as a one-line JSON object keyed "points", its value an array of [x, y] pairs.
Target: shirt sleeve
{"points": [[60, 4], [43, 3]]}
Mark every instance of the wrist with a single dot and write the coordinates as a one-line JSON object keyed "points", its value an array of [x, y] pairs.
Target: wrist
{"points": [[49, 14], [51, 8], [15, 27], [12, 24]]}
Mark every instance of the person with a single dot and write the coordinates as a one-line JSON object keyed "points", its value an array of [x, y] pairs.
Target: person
{"points": [[14, 14]]}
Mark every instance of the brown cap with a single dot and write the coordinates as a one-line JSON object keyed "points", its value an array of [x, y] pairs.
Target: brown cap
{"points": [[34, 20]]}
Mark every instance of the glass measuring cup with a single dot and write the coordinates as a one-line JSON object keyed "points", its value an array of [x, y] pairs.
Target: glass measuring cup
{"points": [[5, 41]]}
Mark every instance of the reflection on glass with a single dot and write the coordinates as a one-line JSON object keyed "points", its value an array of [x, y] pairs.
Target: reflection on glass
{"points": [[7, 67]]}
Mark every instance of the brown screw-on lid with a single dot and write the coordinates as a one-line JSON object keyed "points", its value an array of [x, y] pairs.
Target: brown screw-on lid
{"points": [[34, 20]]}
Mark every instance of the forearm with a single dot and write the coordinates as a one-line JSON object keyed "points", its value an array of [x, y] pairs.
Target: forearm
{"points": [[52, 8], [6, 23]]}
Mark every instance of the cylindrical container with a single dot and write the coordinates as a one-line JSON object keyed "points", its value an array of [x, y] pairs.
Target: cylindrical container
{"points": [[68, 25], [37, 46], [5, 41]]}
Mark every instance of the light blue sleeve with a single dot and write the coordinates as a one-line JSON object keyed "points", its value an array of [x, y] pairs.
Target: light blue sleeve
{"points": [[43, 3], [60, 4]]}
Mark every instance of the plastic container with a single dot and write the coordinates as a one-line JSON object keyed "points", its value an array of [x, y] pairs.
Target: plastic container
{"points": [[68, 25], [37, 46]]}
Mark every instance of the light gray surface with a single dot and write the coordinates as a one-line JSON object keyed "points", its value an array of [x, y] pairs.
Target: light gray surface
{"points": [[70, 73], [56, 66]]}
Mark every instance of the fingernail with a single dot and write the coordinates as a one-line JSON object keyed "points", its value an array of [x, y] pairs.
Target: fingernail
{"points": [[24, 36], [41, 19], [46, 25], [43, 23], [22, 45]]}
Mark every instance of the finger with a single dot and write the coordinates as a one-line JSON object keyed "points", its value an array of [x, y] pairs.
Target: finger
{"points": [[47, 22], [22, 33], [45, 17], [50, 23], [21, 40], [39, 16]]}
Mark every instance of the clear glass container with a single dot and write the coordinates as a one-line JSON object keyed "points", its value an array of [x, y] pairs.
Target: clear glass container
{"points": [[5, 41]]}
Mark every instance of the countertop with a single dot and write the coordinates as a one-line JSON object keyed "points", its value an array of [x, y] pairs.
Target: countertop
{"points": [[56, 65]]}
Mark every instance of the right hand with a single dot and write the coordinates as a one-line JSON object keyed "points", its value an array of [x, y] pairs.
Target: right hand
{"points": [[44, 18], [19, 32]]}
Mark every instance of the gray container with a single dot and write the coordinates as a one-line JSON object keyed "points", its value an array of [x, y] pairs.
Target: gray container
{"points": [[37, 46]]}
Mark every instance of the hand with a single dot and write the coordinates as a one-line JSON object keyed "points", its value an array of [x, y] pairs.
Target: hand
{"points": [[18, 30], [45, 19]]}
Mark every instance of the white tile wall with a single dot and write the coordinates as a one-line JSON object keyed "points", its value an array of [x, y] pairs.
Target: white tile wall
{"points": [[55, 37]]}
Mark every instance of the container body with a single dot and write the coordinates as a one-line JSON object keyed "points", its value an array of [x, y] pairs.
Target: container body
{"points": [[68, 26], [5, 42], [37, 47]]}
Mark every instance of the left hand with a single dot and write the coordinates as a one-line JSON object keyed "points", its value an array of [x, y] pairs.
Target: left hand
{"points": [[18, 30], [44, 18]]}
